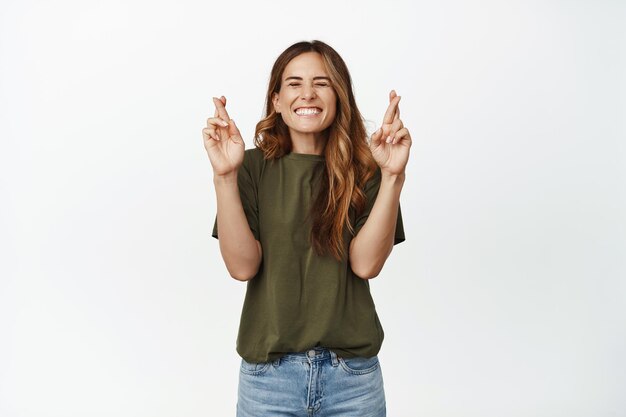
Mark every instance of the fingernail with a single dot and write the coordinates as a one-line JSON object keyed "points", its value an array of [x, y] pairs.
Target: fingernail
{"points": [[388, 139], [224, 123]]}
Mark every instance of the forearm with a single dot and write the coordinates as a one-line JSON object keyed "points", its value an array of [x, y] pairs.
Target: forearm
{"points": [[370, 248], [240, 250]]}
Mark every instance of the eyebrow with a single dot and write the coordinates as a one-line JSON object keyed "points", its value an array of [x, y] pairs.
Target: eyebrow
{"points": [[314, 78]]}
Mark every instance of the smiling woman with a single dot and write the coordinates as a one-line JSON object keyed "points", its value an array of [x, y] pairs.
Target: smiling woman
{"points": [[307, 103], [307, 217]]}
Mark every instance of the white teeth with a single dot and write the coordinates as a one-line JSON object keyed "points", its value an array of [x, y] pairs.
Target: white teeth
{"points": [[305, 111]]}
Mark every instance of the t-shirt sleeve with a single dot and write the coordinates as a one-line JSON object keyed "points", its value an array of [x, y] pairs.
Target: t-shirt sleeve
{"points": [[371, 191], [248, 195]]}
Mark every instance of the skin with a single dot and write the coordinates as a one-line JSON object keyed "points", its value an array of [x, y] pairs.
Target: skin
{"points": [[241, 252], [389, 145], [308, 134]]}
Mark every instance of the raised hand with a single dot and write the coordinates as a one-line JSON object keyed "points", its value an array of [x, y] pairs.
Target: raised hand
{"points": [[222, 141], [391, 143]]}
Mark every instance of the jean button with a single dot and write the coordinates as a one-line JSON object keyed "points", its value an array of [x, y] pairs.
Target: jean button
{"points": [[311, 353]]}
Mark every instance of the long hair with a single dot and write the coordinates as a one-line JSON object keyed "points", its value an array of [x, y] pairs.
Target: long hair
{"points": [[348, 159]]}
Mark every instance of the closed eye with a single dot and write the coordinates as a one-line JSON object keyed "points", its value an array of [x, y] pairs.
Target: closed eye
{"points": [[319, 85]]}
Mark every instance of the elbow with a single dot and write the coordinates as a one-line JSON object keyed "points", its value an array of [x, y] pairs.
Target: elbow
{"points": [[364, 266], [244, 268], [243, 274], [365, 272]]}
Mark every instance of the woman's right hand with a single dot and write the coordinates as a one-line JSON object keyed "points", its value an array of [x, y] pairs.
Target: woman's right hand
{"points": [[223, 144]]}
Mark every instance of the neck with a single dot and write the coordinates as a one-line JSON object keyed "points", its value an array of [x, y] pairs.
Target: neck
{"points": [[313, 143]]}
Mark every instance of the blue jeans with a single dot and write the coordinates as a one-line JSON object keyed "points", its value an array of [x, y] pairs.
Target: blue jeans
{"points": [[315, 383]]}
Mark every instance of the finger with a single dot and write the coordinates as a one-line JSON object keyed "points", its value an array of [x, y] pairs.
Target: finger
{"points": [[209, 133], [396, 125], [216, 113], [232, 128], [391, 110], [223, 100], [392, 129], [216, 121], [234, 133], [222, 113], [402, 134], [392, 95]]}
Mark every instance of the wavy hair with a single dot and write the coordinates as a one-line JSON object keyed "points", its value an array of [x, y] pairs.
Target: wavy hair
{"points": [[349, 163]]}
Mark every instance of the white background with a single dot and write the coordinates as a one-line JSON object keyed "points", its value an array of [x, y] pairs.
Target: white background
{"points": [[506, 299]]}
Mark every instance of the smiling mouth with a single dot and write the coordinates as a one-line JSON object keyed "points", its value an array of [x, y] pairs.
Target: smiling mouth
{"points": [[308, 111]]}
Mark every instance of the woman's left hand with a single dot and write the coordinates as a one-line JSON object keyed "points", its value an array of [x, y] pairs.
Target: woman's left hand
{"points": [[393, 154]]}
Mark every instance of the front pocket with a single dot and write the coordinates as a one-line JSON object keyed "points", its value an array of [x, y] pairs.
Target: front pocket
{"points": [[254, 368], [359, 365]]}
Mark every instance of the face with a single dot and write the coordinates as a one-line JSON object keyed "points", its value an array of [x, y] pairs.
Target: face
{"points": [[307, 101]]}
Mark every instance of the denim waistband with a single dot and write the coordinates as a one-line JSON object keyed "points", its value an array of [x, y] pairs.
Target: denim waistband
{"points": [[315, 354]]}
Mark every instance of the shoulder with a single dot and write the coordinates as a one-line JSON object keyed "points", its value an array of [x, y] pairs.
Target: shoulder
{"points": [[253, 158], [253, 155], [254, 163]]}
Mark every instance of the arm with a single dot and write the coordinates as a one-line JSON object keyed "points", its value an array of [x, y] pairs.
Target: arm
{"points": [[373, 243], [370, 248], [241, 252], [239, 248]]}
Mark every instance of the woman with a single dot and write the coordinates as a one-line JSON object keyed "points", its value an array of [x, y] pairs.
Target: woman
{"points": [[306, 218]]}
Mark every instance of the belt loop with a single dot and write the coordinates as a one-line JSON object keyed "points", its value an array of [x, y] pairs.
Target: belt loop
{"points": [[333, 358]]}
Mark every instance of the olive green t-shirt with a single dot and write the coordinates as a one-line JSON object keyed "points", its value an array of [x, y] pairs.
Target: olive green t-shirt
{"points": [[298, 299]]}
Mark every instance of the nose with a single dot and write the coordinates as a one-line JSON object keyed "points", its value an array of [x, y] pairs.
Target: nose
{"points": [[308, 92]]}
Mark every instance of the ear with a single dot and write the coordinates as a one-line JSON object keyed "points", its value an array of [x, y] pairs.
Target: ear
{"points": [[275, 102]]}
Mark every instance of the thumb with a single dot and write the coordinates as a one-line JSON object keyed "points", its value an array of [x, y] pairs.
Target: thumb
{"points": [[376, 137]]}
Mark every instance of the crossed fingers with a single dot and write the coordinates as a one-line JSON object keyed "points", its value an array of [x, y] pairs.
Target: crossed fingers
{"points": [[219, 122], [395, 128], [393, 111], [220, 109]]}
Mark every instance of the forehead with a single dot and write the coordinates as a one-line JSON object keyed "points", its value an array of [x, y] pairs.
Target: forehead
{"points": [[306, 65]]}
